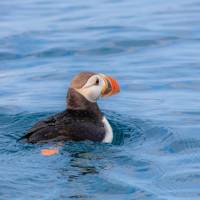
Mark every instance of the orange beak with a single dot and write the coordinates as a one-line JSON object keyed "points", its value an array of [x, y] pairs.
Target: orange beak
{"points": [[110, 87]]}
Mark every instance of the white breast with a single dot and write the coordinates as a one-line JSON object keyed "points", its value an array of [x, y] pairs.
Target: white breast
{"points": [[108, 131]]}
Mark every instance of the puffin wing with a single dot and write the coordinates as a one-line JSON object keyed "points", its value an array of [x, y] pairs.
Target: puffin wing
{"points": [[65, 126], [87, 130], [47, 129]]}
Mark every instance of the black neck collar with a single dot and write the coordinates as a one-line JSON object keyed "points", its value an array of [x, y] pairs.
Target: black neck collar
{"points": [[77, 102]]}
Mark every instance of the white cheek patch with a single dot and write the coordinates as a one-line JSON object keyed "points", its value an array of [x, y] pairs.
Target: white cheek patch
{"points": [[91, 91]]}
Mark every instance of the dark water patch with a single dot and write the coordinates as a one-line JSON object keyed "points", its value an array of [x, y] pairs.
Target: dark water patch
{"points": [[183, 146], [105, 28], [54, 53], [9, 56]]}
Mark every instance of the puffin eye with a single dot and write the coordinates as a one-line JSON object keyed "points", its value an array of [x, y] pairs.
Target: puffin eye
{"points": [[97, 82]]}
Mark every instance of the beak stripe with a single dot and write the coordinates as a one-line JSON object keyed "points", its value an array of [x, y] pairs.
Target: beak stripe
{"points": [[111, 86]]}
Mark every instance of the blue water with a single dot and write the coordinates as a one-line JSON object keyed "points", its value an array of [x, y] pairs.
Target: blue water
{"points": [[152, 49]]}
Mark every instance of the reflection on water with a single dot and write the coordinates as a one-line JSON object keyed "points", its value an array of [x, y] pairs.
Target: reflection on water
{"points": [[151, 48]]}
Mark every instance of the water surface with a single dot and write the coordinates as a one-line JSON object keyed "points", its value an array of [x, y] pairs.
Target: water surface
{"points": [[151, 48]]}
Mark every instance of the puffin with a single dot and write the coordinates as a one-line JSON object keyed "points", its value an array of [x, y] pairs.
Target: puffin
{"points": [[82, 119]]}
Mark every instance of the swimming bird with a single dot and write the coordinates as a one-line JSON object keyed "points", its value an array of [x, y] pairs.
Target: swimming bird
{"points": [[82, 119]]}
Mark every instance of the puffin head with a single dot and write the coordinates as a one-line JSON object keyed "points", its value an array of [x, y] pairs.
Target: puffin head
{"points": [[94, 85]]}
